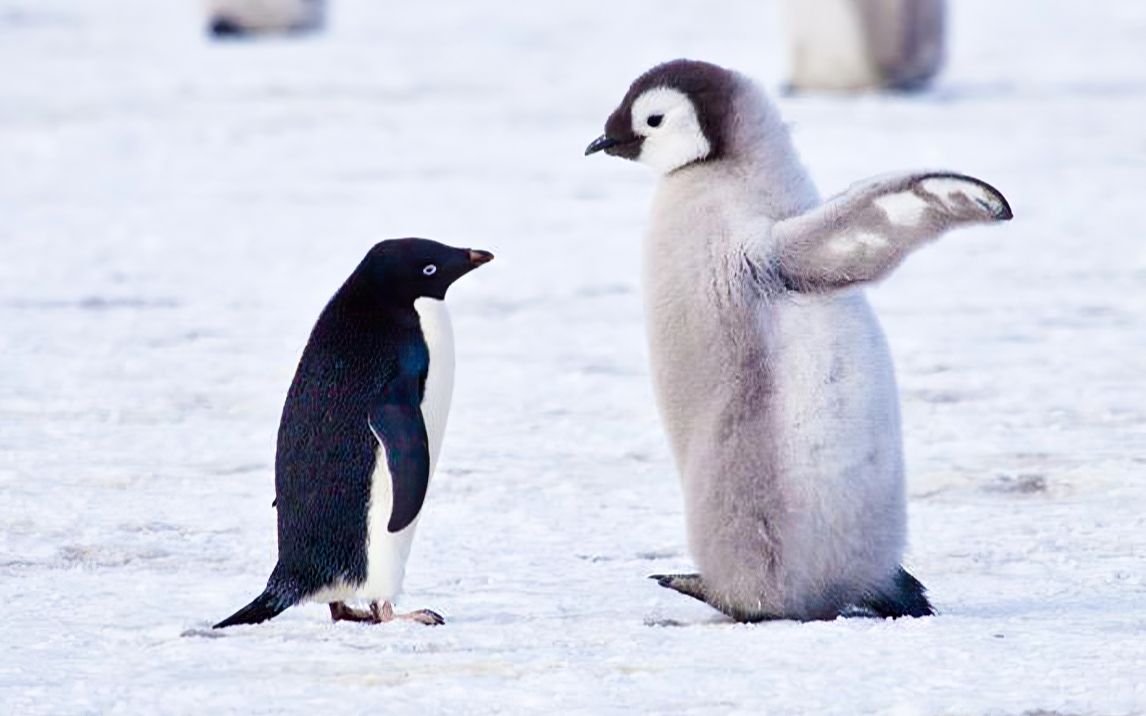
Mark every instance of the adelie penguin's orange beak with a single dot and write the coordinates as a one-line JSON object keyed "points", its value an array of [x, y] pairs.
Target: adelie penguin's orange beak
{"points": [[479, 257]]}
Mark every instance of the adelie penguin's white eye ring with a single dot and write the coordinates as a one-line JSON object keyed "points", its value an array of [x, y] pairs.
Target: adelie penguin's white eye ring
{"points": [[429, 270]]}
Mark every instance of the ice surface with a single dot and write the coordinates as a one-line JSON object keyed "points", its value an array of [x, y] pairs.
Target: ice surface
{"points": [[174, 213]]}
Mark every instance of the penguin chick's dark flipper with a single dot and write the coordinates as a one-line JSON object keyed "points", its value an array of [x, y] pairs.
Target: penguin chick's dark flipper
{"points": [[398, 425], [907, 597], [265, 606]]}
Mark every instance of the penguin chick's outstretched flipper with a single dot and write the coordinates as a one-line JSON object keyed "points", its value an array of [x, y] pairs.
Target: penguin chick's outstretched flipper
{"points": [[907, 597], [864, 233], [265, 606], [398, 425]]}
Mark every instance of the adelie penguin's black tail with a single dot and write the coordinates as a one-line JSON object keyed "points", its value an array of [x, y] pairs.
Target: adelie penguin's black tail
{"points": [[265, 606]]}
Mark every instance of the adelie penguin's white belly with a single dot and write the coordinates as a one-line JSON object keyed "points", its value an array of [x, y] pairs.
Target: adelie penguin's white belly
{"points": [[386, 552]]}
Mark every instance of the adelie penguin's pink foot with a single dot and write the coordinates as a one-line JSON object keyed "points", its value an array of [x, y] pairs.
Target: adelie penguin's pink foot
{"points": [[339, 612], [385, 613], [425, 616], [380, 613]]}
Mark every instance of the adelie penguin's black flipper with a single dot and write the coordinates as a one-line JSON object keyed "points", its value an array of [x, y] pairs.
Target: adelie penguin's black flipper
{"points": [[265, 606], [906, 597], [398, 424]]}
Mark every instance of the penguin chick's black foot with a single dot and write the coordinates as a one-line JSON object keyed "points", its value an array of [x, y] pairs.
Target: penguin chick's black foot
{"points": [[688, 584], [692, 585], [907, 597]]}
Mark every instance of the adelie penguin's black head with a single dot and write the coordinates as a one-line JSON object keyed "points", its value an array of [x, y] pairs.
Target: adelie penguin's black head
{"points": [[673, 115], [403, 270]]}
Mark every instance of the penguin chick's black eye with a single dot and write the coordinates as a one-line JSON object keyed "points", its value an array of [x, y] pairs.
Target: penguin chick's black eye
{"points": [[655, 120], [429, 269]]}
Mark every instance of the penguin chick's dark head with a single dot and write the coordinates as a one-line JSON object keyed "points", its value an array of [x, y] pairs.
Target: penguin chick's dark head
{"points": [[403, 270], [673, 115]]}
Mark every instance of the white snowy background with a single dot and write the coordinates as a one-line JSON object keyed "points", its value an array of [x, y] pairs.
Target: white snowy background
{"points": [[174, 214]]}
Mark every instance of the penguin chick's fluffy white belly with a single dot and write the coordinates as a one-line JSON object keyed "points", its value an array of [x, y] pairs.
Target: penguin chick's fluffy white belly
{"points": [[387, 552], [838, 445], [793, 478]]}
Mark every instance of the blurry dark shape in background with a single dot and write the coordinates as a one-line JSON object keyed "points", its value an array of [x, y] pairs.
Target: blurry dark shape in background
{"points": [[234, 19], [858, 45]]}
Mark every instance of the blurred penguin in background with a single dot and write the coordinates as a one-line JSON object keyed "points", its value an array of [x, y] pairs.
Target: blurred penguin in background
{"points": [[246, 18], [856, 45]]}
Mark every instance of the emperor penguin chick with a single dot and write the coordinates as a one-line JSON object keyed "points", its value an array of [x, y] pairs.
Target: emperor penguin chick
{"points": [[772, 376], [250, 18], [360, 434], [849, 45]]}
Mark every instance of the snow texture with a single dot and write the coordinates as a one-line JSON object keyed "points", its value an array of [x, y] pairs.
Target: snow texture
{"points": [[176, 212]]}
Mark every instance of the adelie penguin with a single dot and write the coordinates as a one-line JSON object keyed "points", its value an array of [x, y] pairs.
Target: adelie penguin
{"points": [[360, 434], [773, 379]]}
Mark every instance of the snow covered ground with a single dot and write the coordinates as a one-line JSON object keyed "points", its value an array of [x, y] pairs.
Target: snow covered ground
{"points": [[173, 215]]}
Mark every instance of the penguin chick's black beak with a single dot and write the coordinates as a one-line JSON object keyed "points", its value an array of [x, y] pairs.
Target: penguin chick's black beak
{"points": [[478, 257], [600, 143]]}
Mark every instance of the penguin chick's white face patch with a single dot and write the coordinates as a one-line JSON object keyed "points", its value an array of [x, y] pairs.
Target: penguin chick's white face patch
{"points": [[667, 120]]}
